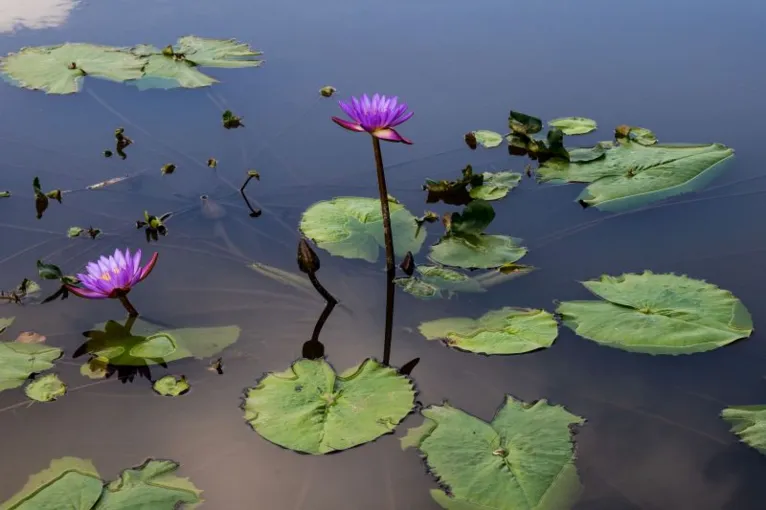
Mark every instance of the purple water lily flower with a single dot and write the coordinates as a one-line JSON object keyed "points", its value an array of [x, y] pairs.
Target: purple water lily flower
{"points": [[377, 116], [113, 276]]}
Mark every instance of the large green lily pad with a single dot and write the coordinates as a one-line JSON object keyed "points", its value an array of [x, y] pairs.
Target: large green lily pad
{"points": [[46, 388], [218, 52], [352, 227], [504, 331], [658, 314], [148, 344], [573, 125], [630, 174], [310, 409], [495, 185], [166, 71], [50, 68], [18, 361], [749, 423], [523, 460], [150, 486]]}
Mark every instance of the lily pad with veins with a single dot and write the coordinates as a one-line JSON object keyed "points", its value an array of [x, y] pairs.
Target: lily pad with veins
{"points": [[309, 408], [18, 361], [749, 424]]}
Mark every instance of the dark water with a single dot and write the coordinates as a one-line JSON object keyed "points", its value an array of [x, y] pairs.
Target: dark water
{"points": [[691, 71]]}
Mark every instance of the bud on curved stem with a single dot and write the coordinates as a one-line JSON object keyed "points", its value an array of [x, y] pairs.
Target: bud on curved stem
{"points": [[308, 261]]}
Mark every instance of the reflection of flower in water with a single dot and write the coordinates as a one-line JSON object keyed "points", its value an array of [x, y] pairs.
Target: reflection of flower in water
{"points": [[33, 14]]}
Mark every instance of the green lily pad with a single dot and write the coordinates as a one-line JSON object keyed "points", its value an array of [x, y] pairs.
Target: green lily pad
{"points": [[5, 322], [95, 368], [658, 314], [436, 281], [639, 135], [631, 175], [218, 52], [749, 423], [488, 139], [586, 154], [484, 251], [524, 125], [504, 331], [171, 386], [46, 388], [166, 71], [68, 484], [18, 361], [148, 344], [61, 69], [474, 219], [310, 409], [150, 486], [418, 288], [523, 460], [574, 125], [352, 227], [496, 185], [453, 192]]}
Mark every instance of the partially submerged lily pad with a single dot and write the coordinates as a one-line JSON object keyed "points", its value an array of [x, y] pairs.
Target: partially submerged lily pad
{"points": [[46, 388], [436, 281], [18, 361], [453, 192], [352, 227], [487, 139], [523, 460], [574, 125], [504, 331], [658, 314], [749, 423], [495, 185], [61, 69], [631, 175], [171, 386], [97, 367], [310, 409], [524, 125]]}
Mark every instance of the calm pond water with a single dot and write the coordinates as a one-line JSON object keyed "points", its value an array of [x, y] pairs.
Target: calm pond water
{"points": [[654, 440]]}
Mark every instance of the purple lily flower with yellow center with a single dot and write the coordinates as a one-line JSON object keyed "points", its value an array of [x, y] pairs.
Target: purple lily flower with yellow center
{"points": [[377, 116], [112, 277]]}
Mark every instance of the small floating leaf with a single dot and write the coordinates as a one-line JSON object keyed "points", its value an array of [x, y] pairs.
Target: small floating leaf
{"points": [[436, 281], [523, 459], [495, 185], [18, 361], [488, 139], [347, 410], [171, 386], [523, 124], [48, 271], [504, 331], [165, 70], [327, 91], [168, 169], [453, 192], [574, 125], [75, 231], [639, 135], [107, 153], [352, 227], [212, 162], [96, 368], [231, 121], [5, 194], [658, 314], [218, 52], [749, 423], [46, 388], [484, 251], [474, 219]]}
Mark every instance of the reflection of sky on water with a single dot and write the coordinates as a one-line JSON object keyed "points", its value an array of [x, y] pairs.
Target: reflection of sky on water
{"points": [[34, 14]]}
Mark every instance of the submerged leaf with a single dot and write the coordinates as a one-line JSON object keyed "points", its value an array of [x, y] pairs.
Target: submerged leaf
{"points": [[504, 331], [345, 410], [171, 386], [630, 175], [523, 460], [658, 314], [495, 185], [436, 281], [18, 361], [453, 192], [46, 388], [574, 125], [749, 423], [61, 69], [484, 251], [488, 139], [352, 227]]}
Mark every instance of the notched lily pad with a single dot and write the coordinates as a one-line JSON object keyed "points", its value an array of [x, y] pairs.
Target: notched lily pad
{"points": [[658, 314], [310, 409], [171, 386], [505, 331], [46, 388], [150, 485], [436, 282], [352, 227], [69, 483], [749, 424], [495, 185], [574, 125], [524, 459]]}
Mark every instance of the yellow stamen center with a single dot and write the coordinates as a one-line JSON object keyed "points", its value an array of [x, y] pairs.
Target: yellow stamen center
{"points": [[106, 276]]}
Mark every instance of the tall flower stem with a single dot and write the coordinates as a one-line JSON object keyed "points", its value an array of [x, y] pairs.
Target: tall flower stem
{"points": [[132, 312], [390, 268]]}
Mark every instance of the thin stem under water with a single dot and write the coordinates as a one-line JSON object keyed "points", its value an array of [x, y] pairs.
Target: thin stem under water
{"points": [[390, 268], [132, 312]]}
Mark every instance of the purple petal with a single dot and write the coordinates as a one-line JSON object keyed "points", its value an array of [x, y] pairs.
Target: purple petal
{"points": [[348, 110], [85, 293], [93, 269], [390, 135], [147, 269], [351, 126], [403, 118]]}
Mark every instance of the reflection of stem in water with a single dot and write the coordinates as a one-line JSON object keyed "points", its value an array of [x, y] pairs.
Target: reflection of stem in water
{"points": [[254, 213], [390, 269]]}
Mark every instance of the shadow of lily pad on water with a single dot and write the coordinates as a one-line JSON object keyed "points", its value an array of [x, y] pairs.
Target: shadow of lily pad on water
{"points": [[658, 314], [349, 409], [75, 484], [352, 227], [523, 459]]}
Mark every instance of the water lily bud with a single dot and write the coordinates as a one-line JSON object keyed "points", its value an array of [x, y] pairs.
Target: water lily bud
{"points": [[470, 140], [327, 91], [408, 264], [254, 174], [308, 262]]}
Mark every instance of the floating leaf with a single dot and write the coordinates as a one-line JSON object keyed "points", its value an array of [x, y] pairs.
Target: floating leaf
{"points": [[630, 175], [504, 331], [584, 155], [435, 281], [168, 169], [48, 271], [488, 139], [749, 423], [523, 460], [231, 121], [149, 486], [474, 219], [523, 124], [5, 194], [218, 52], [171, 386], [352, 227], [327, 91], [147, 344], [453, 192], [574, 125], [18, 361], [477, 252], [639, 135], [96, 368], [5, 322], [46, 388], [30, 337], [107, 153], [310, 409], [75, 231], [68, 484], [212, 163], [417, 287], [495, 185], [658, 314], [61, 69]]}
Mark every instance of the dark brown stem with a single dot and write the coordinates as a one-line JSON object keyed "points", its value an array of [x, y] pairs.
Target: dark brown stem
{"points": [[390, 268], [132, 312]]}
